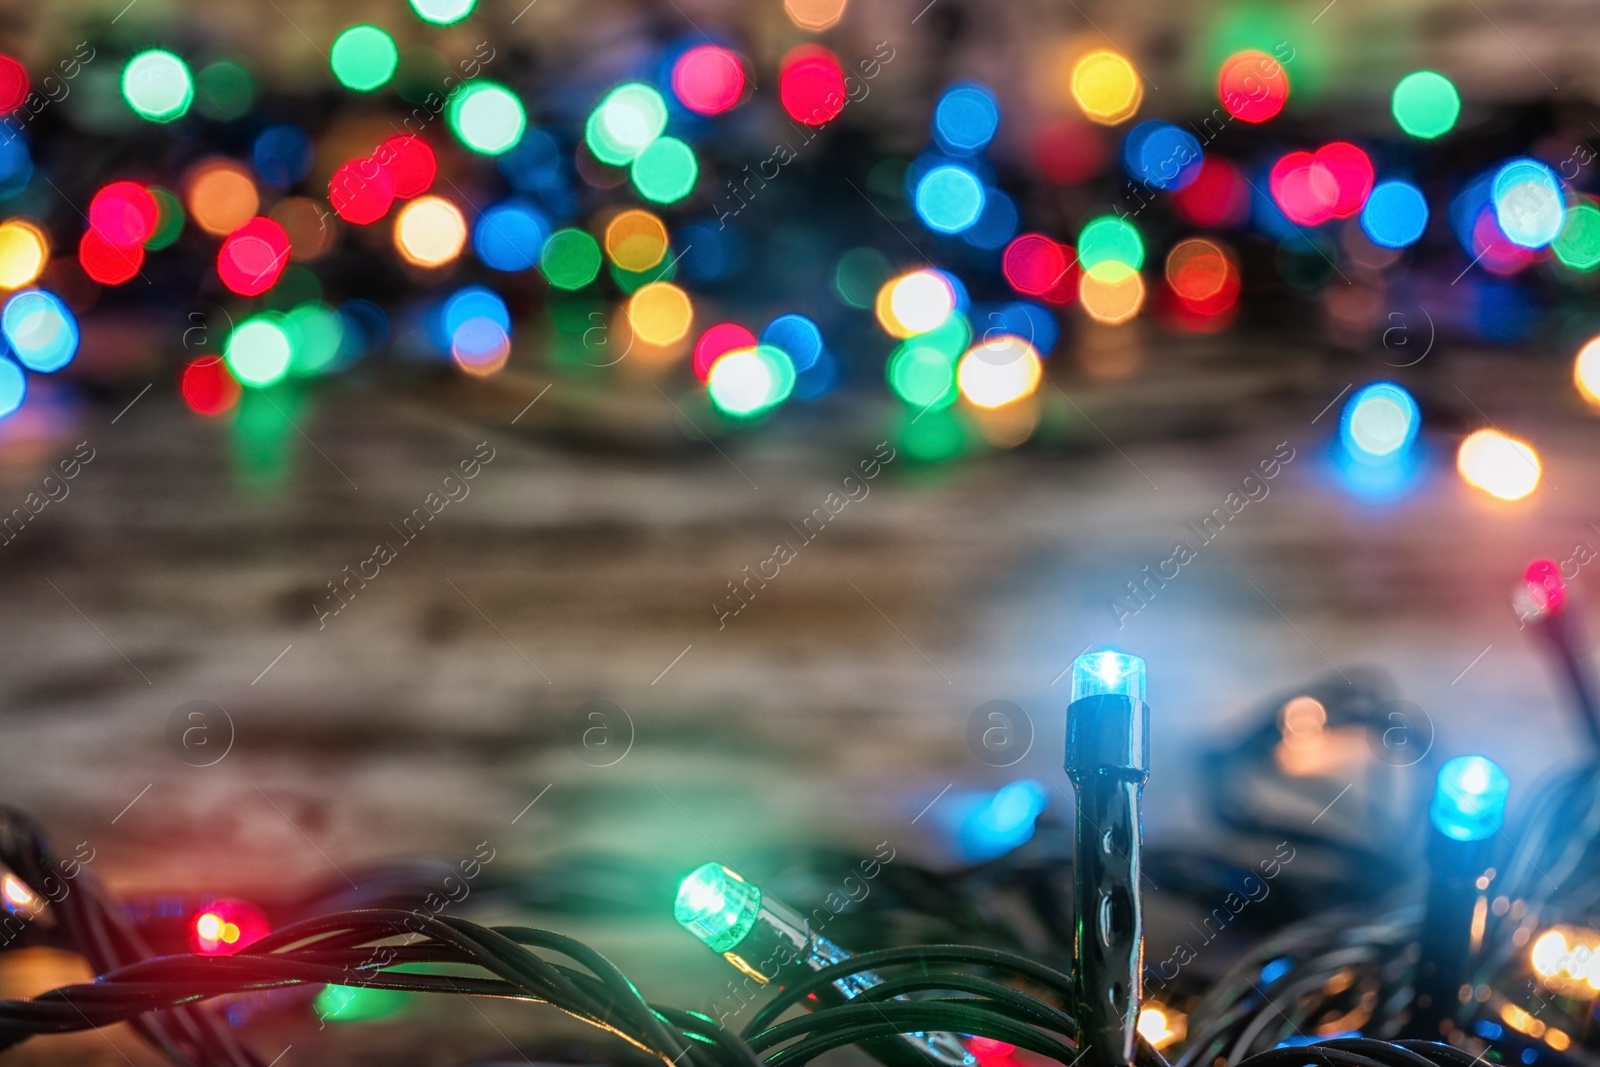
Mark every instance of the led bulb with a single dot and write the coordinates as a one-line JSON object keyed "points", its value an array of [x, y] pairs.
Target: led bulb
{"points": [[17, 897], [1114, 673], [1469, 800], [717, 906]]}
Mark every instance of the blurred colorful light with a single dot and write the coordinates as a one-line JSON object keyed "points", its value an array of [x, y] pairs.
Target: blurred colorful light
{"points": [[124, 213], [1577, 246], [708, 79], [1106, 87], [443, 12], [1162, 155], [221, 196], [13, 84], [627, 120], [1499, 465], [798, 337], [965, 119], [1252, 86], [363, 58], [665, 171], [361, 191], [814, 15], [226, 926], [660, 313], [1034, 264], [42, 333], [409, 163], [1586, 372], [1001, 370], [13, 387], [253, 257], [104, 262], [157, 85], [922, 376], [570, 260], [717, 342], [915, 303], [949, 198], [749, 381], [207, 387], [1379, 423], [24, 251], [1395, 215], [510, 236], [1218, 196], [811, 85], [1425, 104], [258, 350], [636, 240], [1528, 204], [1109, 239], [1111, 292], [430, 232], [487, 118]]}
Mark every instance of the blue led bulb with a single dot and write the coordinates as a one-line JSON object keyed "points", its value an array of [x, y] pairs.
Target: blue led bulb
{"points": [[1117, 673], [1469, 800]]}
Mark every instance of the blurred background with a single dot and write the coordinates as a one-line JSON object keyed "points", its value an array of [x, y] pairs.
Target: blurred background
{"points": [[631, 434]]}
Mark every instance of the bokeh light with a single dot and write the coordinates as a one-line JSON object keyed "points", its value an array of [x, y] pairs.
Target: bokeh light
{"points": [[487, 118], [748, 381], [965, 119], [42, 333], [1001, 370], [625, 123], [363, 58], [665, 171], [1352, 173], [636, 240], [1304, 190], [224, 927], [13, 84], [1379, 422], [717, 342], [24, 251], [922, 376], [430, 232], [949, 198], [207, 387], [1106, 87], [811, 85], [510, 236], [1252, 86], [157, 85], [660, 313], [1218, 196], [124, 213], [1586, 372], [13, 387], [708, 79], [1395, 215], [1111, 292], [1108, 239], [798, 337], [443, 12], [106, 263], [1162, 155], [169, 220], [361, 191], [815, 15], [1202, 275], [1499, 465], [915, 303], [1425, 104], [1528, 205], [1577, 246], [282, 154], [311, 234], [1036, 265], [223, 91], [221, 196], [252, 257], [480, 346], [570, 260], [258, 350], [409, 163]]}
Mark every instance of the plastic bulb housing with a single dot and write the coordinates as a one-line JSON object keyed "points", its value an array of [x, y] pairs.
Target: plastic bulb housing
{"points": [[717, 906], [1469, 799], [1103, 673]]}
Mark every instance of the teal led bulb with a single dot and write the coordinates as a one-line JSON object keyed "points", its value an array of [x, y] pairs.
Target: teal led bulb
{"points": [[1114, 673], [717, 906], [1469, 800]]}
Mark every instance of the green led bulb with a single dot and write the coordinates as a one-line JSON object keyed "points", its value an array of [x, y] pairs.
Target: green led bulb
{"points": [[717, 906]]}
